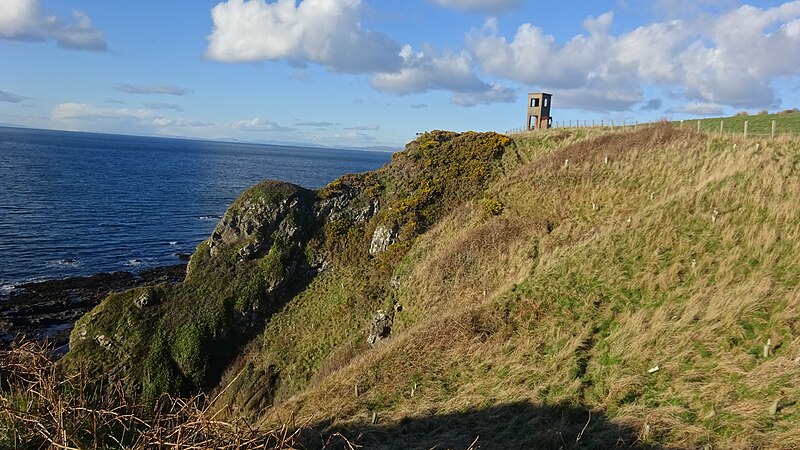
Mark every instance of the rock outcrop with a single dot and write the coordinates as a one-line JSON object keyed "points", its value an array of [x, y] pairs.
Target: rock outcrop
{"points": [[187, 333], [382, 238]]}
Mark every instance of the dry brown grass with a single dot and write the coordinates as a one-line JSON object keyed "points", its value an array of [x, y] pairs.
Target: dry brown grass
{"points": [[39, 408]]}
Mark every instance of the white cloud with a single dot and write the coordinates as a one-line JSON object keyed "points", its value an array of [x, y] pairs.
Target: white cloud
{"points": [[160, 105], [315, 124], [751, 47], [495, 94], [430, 70], [258, 124], [728, 60], [365, 128], [6, 96], [85, 111], [180, 123], [326, 32], [583, 71], [25, 20], [156, 90], [19, 19], [702, 109], [142, 117], [355, 137], [479, 5]]}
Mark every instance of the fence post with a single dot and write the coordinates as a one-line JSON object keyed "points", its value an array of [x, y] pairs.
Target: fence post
{"points": [[698, 125], [681, 124], [720, 127], [745, 128], [570, 123], [773, 129]]}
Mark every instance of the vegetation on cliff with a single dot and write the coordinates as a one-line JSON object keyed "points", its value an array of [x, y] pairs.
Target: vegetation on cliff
{"points": [[179, 338], [565, 289]]}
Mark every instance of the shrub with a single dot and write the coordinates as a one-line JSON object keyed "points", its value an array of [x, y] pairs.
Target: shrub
{"points": [[492, 207], [44, 408]]}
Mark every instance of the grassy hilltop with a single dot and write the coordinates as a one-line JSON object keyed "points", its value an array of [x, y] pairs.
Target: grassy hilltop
{"points": [[786, 123], [575, 288]]}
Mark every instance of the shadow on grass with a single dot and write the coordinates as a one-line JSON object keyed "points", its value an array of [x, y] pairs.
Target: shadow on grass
{"points": [[519, 425]]}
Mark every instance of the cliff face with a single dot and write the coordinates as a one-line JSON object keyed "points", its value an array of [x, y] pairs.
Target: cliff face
{"points": [[273, 241]]}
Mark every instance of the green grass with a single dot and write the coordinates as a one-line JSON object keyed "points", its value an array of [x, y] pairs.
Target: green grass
{"points": [[757, 125]]}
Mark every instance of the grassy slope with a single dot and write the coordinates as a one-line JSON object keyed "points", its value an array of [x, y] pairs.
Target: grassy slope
{"points": [[514, 327], [321, 328]]}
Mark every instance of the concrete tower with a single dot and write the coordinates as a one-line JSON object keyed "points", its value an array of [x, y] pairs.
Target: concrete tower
{"points": [[538, 116]]}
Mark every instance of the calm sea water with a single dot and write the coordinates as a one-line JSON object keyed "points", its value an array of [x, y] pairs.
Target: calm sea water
{"points": [[81, 203]]}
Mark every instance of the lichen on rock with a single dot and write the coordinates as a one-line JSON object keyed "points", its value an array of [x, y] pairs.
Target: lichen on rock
{"points": [[382, 238], [267, 211]]}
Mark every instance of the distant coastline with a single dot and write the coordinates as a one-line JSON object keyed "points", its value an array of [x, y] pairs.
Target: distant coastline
{"points": [[295, 145]]}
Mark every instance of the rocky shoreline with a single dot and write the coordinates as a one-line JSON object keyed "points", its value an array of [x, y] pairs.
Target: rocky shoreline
{"points": [[49, 309]]}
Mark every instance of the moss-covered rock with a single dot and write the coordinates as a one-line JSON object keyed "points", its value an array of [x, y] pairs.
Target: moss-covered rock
{"points": [[185, 335]]}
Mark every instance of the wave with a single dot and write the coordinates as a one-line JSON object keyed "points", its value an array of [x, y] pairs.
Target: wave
{"points": [[6, 289], [212, 217], [64, 262], [136, 262]]}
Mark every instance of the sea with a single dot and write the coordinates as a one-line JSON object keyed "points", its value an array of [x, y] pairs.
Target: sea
{"points": [[74, 204]]}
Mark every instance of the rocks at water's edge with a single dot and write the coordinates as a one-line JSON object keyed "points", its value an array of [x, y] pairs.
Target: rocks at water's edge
{"points": [[49, 309]]}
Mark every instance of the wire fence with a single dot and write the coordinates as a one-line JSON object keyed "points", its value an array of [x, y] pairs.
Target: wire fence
{"points": [[770, 126]]}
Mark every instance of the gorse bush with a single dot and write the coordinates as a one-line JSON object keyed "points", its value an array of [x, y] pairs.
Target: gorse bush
{"points": [[492, 207]]}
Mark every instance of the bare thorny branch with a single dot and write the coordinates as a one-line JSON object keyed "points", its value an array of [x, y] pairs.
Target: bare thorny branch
{"points": [[41, 407]]}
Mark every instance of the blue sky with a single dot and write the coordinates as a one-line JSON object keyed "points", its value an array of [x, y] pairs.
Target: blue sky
{"points": [[371, 73]]}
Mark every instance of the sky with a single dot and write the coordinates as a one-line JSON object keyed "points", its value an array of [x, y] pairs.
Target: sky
{"points": [[370, 73]]}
